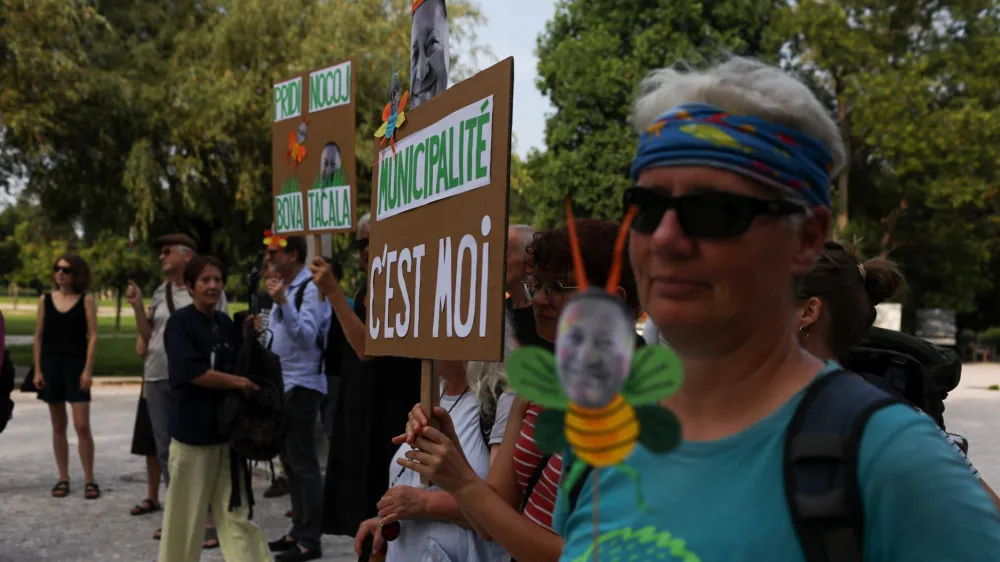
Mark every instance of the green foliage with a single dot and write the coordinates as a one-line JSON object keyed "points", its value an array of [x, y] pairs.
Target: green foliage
{"points": [[591, 56], [158, 114], [915, 81], [990, 336]]}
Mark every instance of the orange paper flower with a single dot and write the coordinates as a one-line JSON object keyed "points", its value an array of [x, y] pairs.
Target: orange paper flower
{"points": [[296, 152], [274, 241]]}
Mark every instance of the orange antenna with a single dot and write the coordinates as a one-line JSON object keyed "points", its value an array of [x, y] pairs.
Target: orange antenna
{"points": [[616, 264], [574, 244]]}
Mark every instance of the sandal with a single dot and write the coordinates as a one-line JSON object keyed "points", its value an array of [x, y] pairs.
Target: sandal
{"points": [[146, 506], [61, 489], [91, 491], [211, 539], [157, 534]]}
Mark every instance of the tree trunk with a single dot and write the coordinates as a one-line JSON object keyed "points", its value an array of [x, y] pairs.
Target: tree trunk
{"points": [[845, 133], [118, 310]]}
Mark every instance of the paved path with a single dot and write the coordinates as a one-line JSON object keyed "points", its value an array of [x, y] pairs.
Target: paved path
{"points": [[37, 527]]}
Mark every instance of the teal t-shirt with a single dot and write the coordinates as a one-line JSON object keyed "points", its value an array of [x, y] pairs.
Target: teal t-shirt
{"points": [[724, 501]]}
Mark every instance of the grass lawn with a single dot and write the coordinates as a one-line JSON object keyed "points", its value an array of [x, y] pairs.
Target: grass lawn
{"points": [[115, 356], [115, 348], [24, 324]]}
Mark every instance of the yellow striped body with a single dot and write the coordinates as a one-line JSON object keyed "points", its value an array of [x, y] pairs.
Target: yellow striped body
{"points": [[605, 436]]}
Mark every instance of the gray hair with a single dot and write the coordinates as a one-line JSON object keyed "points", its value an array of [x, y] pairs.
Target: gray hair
{"points": [[742, 86], [522, 235], [484, 377], [365, 220]]}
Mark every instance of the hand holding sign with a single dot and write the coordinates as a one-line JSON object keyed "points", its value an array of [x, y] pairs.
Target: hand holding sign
{"points": [[133, 294], [323, 276]]}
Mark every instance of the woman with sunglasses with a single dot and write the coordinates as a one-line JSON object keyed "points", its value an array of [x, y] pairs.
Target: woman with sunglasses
{"points": [[373, 400], [514, 505], [732, 177], [64, 348]]}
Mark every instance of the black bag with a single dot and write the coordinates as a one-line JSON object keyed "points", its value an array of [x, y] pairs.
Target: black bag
{"points": [[907, 367], [7, 376], [255, 424], [333, 343]]}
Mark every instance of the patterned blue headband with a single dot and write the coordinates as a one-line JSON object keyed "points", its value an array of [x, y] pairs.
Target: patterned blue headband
{"points": [[699, 134]]}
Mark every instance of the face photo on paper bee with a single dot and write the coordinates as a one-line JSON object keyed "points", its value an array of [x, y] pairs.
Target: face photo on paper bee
{"points": [[594, 348]]}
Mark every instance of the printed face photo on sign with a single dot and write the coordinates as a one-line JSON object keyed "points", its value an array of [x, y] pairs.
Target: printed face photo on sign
{"points": [[428, 52], [594, 349], [331, 162]]}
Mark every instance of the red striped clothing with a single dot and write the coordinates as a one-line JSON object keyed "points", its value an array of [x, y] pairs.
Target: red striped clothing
{"points": [[542, 502]]}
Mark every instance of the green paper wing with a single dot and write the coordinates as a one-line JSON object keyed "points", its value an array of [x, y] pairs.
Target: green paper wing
{"points": [[532, 372], [656, 374], [550, 431], [573, 474], [659, 430]]}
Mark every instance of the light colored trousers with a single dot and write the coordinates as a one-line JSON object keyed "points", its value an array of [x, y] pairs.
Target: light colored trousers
{"points": [[200, 477]]}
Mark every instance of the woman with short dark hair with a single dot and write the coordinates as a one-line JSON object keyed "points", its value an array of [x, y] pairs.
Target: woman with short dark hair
{"points": [[64, 348], [200, 342]]}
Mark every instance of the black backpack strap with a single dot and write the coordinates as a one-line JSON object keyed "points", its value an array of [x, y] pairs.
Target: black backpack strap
{"points": [[168, 288], [300, 292], [821, 462], [535, 477]]}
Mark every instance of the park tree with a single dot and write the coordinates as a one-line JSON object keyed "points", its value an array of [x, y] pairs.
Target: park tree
{"points": [[157, 114], [592, 56], [913, 85]]}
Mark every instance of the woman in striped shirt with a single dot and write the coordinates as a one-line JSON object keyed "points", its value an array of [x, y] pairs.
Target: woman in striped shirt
{"points": [[514, 505]]}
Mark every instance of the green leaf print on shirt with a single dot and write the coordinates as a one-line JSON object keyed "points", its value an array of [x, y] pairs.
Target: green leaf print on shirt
{"points": [[645, 544]]}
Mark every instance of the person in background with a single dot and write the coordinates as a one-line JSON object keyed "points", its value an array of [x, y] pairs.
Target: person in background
{"points": [[836, 306], [199, 340], [297, 320], [176, 251], [514, 505], [6, 380], [731, 187], [518, 304], [431, 525], [376, 394], [144, 445], [64, 348]]}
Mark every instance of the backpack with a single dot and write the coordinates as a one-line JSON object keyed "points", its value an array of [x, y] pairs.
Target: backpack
{"points": [[908, 367], [820, 458], [331, 345], [255, 424], [7, 376]]}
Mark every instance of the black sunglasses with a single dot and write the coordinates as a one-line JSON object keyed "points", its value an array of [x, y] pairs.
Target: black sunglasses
{"points": [[709, 214], [58, 268], [360, 244]]}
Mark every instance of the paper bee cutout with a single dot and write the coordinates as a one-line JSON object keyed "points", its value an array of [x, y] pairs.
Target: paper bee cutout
{"points": [[600, 394]]}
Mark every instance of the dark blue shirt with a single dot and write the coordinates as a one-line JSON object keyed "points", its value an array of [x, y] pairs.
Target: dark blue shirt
{"points": [[195, 343]]}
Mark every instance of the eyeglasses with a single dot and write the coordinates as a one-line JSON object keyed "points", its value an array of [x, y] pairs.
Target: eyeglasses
{"points": [[59, 268], [552, 287], [709, 214], [360, 244]]}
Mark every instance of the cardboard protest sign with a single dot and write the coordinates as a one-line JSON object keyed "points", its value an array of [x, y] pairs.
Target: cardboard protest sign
{"points": [[439, 225], [312, 151]]}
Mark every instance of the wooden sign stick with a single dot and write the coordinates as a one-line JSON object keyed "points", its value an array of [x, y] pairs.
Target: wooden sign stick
{"points": [[429, 397], [318, 250]]}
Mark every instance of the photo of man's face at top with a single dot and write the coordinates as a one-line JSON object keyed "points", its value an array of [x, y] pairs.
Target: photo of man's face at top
{"points": [[428, 51]]}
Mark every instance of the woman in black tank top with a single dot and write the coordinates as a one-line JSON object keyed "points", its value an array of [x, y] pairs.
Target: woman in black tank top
{"points": [[64, 348]]}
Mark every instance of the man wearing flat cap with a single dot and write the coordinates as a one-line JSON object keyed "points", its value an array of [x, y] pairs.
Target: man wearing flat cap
{"points": [[176, 250]]}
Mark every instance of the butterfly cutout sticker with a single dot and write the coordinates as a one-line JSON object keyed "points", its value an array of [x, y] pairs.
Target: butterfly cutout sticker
{"points": [[296, 146], [599, 393], [394, 113]]}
